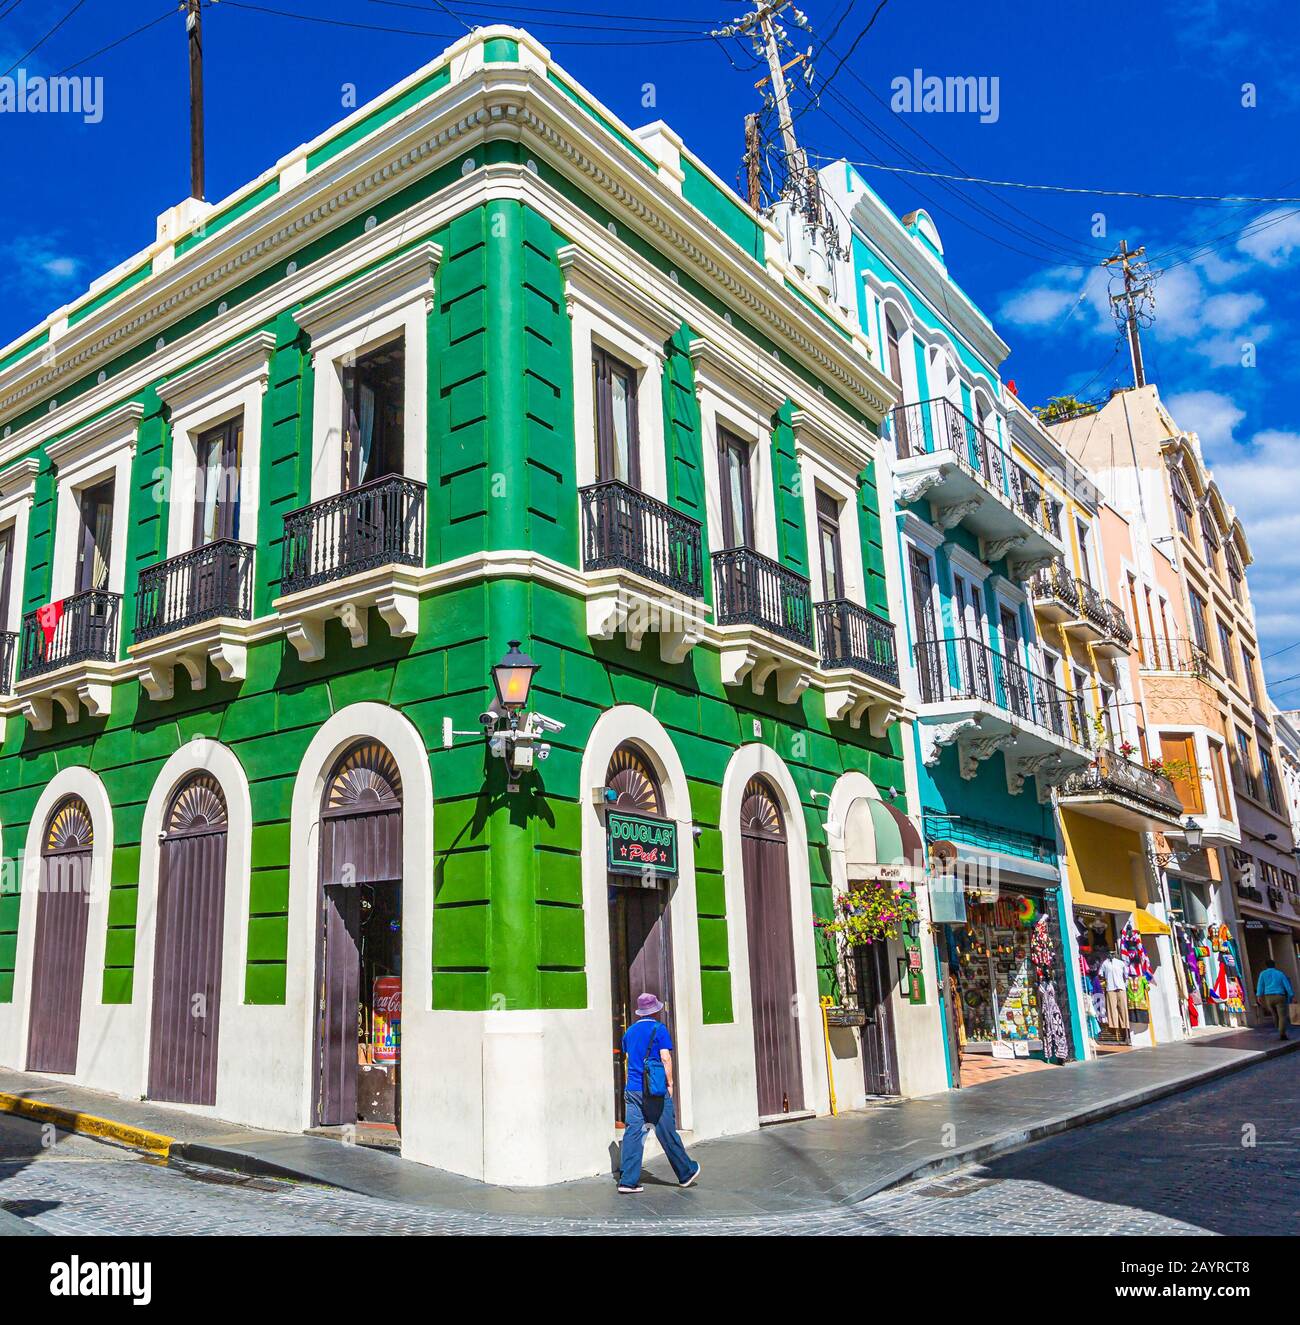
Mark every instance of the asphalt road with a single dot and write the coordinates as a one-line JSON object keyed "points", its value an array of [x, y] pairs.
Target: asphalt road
{"points": [[1223, 1158]]}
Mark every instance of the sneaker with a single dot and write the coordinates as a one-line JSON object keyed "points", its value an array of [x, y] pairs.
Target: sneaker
{"points": [[630, 1191], [689, 1181]]}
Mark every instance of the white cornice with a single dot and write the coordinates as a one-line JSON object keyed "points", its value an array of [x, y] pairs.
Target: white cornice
{"points": [[833, 446], [968, 562], [498, 100], [250, 357], [117, 423], [713, 364], [921, 532]]}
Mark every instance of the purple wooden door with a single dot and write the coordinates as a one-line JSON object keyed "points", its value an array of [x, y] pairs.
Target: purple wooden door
{"points": [[640, 928], [361, 845], [185, 1022], [769, 927], [59, 961]]}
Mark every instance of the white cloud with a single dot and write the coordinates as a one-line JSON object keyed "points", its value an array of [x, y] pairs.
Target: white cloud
{"points": [[1273, 238], [1210, 414], [1058, 297], [61, 268]]}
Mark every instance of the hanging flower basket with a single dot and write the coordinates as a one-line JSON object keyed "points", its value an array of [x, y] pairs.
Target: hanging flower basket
{"points": [[870, 913]]}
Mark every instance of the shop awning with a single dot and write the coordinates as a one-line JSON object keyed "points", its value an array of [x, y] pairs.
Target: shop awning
{"points": [[881, 842], [1149, 924]]}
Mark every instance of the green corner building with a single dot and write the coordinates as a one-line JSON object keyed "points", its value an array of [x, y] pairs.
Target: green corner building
{"points": [[479, 364]]}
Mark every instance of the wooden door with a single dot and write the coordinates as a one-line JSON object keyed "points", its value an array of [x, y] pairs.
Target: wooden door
{"points": [[772, 983], [59, 959], [361, 849], [879, 1047], [640, 922], [902, 438], [186, 1015]]}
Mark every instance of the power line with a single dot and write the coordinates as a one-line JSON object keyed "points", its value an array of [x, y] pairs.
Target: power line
{"points": [[1286, 648], [854, 45], [144, 27], [483, 5], [44, 39], [1236, 201]]}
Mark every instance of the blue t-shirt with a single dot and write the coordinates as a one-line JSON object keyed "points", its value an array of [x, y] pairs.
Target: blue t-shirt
{"points": [[636, 1040], [1273, 981]]}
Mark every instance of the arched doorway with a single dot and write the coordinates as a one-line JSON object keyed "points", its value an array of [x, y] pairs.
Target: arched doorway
{"points": [[185, 1020], [640, 929], [62, 916], [772, 985], [359, 940]]}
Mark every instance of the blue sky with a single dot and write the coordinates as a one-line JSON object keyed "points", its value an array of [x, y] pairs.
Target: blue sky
{"points": [[1144, 97]]}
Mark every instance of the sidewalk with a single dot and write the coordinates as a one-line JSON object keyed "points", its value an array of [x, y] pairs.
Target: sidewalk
{"points": [[776, 1170]]}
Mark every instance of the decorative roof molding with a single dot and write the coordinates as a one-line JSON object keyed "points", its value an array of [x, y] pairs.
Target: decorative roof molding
{"points": [[18, 480], [812, 435], [714, 364]]}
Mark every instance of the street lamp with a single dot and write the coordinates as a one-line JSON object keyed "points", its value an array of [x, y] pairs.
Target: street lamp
{"points": [[1193, 832], [513, 678], [1194, 835]]}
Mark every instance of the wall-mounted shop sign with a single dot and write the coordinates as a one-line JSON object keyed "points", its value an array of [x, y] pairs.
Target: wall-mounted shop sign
{"points": [[638, 844]]}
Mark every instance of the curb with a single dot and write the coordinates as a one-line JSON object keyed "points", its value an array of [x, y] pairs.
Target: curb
{"points": [[88, 1124], [1018, 1137]]}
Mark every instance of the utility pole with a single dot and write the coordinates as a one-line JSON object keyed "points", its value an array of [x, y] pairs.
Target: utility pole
{"points": [[1137, 287], [760, 28], [194, 32], [752, 163]]}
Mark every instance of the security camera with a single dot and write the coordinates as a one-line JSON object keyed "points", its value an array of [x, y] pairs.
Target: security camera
{"points": [[488, 721], [543, 723]]}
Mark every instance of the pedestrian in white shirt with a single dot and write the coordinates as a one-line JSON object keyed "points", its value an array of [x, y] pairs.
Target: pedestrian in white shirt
{"points": [[1114, 981]]}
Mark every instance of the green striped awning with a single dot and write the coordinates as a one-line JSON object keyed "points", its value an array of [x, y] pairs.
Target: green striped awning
{"points": [[881, 842]]}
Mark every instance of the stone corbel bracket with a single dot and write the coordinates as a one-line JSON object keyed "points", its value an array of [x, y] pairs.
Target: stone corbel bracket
{"points": [[93, 695], [748, 658], [937, 736], [1018, 769], [221, 643], [997, 548], [972, 751], [391, 590], [616, 605], [949, 517]]}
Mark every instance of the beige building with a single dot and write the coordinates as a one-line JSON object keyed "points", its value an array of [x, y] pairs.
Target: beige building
{"points": [[1209, 723]]}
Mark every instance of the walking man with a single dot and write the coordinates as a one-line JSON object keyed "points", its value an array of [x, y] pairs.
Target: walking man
{"points": [[1114, 980], [642, 1108], [1274, 992]]}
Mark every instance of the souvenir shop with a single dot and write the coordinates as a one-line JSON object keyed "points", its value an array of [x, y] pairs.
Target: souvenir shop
{"points": [[1004, 974], [1130, 937], [1210, 959]]}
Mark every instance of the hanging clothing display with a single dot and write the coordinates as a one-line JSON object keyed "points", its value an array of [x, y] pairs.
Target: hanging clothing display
{"points": [[1056, 1044]]}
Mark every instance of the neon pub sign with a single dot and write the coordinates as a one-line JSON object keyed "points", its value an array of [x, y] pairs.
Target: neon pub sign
{"points": [[638, 844]]}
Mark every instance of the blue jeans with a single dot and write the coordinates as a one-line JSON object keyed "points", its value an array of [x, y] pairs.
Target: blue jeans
{"points": [[657, 1112]]}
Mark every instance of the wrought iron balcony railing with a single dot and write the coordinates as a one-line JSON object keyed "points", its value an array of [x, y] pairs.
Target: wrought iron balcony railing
{"points": [[212, 581], [1176, 655], [754, 590], [1027, 497], [84, 631], [1112, 774], [8, 649], [380, 523], [1092, 603], [852, 636], [1117, 627], [957, 668], [937, 425], [624, 528], [1055, 583]]}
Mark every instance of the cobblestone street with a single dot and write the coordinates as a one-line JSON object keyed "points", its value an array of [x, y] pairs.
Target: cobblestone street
{"points": [[1223, 1158]]}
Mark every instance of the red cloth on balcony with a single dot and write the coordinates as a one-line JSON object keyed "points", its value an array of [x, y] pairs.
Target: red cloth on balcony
{"points": [[48, 618]]}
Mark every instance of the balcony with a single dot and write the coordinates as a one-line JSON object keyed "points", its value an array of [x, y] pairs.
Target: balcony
{"points": [[1118, 639], [984, 702], [8, 653], [765, 615], [859, 655], [348, 553], [644, 566], [968, 479], [1178, 657], [1121, 792], [191, 610], [1055, 593], [70, 659]]}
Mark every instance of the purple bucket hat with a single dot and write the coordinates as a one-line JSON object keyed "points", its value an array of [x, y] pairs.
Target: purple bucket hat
{"points": [[647, 1005]]}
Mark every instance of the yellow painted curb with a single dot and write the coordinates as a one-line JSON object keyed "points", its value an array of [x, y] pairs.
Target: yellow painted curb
{"points": [[87, 1124]]}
